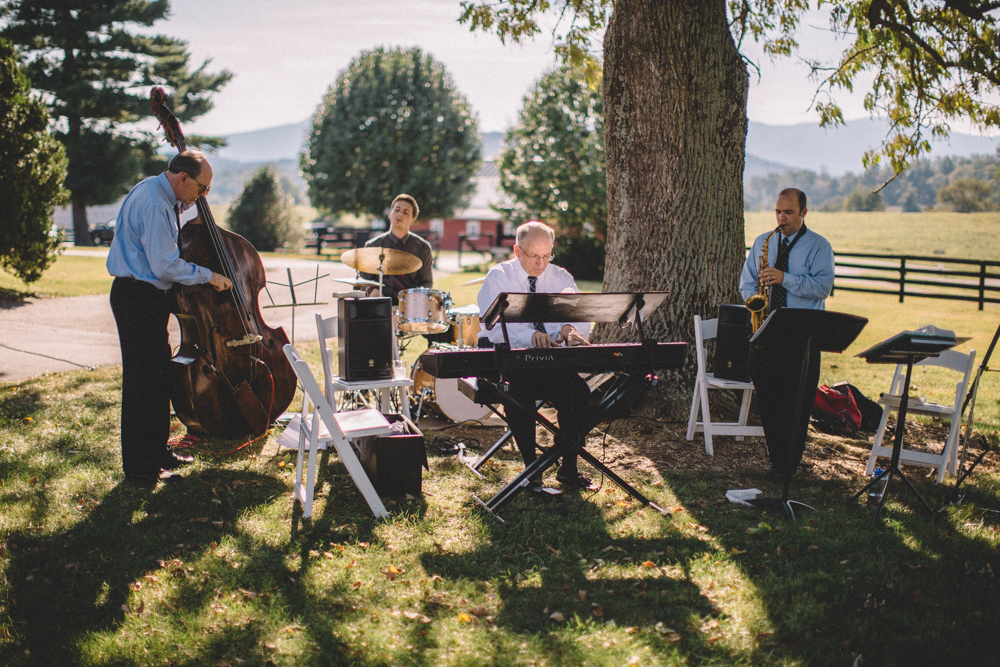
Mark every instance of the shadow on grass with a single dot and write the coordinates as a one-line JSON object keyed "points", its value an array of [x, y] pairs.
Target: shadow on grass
{"points": [[66, 589], [908, 589], [12, 298], [560, 556]]}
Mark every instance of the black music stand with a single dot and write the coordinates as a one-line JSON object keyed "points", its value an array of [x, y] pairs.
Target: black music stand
{"points": [[820, 329], [907, 348], [626, 308]]}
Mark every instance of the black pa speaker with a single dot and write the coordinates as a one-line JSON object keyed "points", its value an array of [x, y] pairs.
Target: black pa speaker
{"points": [[364, 345], [732, 344]]}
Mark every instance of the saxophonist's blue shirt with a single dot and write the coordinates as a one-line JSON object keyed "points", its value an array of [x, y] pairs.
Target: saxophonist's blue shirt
{"points": [[809, 279]]}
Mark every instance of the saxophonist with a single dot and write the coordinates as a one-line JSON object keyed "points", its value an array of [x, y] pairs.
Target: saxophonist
{"points": [[796, 273]]}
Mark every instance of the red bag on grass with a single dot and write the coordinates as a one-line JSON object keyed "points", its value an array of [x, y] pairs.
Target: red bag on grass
{"points": [[835, 410]]}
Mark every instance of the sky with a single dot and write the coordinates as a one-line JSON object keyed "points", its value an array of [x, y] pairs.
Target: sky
{"points": [[285, 54]]}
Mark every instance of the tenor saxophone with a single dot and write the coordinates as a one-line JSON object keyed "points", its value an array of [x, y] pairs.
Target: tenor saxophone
{"points": [[760, 303]]}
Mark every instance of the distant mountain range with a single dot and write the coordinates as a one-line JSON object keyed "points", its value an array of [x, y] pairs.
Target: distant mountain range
{"points": [[770, 148]]}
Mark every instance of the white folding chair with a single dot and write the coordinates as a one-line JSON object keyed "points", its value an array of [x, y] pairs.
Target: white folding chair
{"points": [[326, 327], [342, 428], [947, 459], [707, 330]]}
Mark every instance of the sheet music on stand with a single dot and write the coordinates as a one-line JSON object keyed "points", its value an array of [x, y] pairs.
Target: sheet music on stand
{"points": [[911, 345], [906, 347]]}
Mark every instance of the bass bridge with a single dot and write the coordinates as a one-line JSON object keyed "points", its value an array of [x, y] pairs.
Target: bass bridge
{"points": [[248, 339]]}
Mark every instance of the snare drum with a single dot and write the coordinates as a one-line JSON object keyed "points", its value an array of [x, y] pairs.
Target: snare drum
{"points": [[445, 399], [423, 310]]}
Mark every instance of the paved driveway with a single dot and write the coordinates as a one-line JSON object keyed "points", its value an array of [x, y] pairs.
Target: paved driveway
{"points": [[56, 335]]}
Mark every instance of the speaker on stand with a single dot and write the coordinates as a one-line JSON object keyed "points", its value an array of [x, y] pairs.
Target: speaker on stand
{"points": [[364, 343], [732, 344]]}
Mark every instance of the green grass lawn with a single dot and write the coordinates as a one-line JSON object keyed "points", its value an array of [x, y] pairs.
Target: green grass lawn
{"points": [[954, 235], [222, 570]]}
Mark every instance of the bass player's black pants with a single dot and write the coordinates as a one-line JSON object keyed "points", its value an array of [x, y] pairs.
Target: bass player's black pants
{"points": [[142, 312]]}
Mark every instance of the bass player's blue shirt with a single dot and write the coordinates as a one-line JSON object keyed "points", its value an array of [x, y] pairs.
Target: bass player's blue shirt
{"points": [[145, 243]]}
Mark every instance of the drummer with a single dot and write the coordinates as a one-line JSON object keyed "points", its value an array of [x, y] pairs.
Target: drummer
{"points": [[402, 214]]}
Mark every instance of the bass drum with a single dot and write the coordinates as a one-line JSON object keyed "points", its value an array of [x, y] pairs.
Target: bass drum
{"points": [[444, 398]]}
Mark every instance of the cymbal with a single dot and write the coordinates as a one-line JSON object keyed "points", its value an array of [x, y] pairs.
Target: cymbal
{"points": [[357, 282], [475, 281], [393, 262]]}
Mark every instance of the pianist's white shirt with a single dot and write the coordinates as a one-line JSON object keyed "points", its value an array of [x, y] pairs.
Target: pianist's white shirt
{"points": [[510, 277]]}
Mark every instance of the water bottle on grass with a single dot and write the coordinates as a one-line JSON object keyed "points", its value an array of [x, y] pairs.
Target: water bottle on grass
{"points": [[878, 488]]}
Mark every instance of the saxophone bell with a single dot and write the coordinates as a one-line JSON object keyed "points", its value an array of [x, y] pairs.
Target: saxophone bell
{"points": [[759, 304]]}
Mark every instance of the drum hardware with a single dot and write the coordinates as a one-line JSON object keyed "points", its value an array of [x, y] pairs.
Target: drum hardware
{"points": [[475, 281], [356, 282]]}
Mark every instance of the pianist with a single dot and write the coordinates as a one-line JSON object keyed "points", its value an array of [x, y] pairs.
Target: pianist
{"points": [[531, 271]]}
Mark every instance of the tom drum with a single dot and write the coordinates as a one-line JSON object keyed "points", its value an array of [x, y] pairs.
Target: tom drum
{"points": [[464, 325], [423, 310]]}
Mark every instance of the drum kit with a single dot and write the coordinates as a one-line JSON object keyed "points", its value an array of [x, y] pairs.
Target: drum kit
{"points": [[427, 312]]}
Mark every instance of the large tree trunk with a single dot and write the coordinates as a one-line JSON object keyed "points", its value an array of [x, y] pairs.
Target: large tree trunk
{"points": [[81, 227], [675, 90]]}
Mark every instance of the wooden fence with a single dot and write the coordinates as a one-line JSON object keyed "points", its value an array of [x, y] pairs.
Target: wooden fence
{"points": [[918, 276]]}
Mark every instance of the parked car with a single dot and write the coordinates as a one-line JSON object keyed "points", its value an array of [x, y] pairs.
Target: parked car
{"points": [[103, 234]]}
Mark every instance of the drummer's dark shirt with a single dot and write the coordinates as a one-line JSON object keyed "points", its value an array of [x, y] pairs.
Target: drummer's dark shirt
{"points": [[413, 244]]}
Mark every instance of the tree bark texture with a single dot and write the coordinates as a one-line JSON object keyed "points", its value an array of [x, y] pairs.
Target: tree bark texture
{"points": [[675, 91]]}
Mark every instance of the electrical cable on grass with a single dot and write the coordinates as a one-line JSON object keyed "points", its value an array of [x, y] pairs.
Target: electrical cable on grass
{"points": [[39, 354]]}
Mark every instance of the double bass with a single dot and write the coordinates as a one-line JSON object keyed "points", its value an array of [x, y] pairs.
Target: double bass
{"points": [[230, 375]]}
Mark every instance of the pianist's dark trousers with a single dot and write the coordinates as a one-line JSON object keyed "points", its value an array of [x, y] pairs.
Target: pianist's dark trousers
{"points": [[776, 372], [567, 392]]}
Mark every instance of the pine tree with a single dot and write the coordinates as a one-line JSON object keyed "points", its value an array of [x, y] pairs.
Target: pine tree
{"points": [[263, 215], [33, 168], [97, 69]]}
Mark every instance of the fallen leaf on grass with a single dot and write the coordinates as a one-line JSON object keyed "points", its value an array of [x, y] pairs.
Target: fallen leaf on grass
{"points": [[270, 647], [557, 616], [464, 618], [478, 611], [649, 563], [218, 524], [916, 595], [844, 562], [630, 630], [974, 616], [622, 503], [357, 584], [583, 595], [328, 555], [363, 545], [351, 564], [596, 609]]}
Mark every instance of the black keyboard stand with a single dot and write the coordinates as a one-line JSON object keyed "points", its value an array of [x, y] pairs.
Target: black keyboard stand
{"points": [[552, 454]]}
